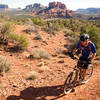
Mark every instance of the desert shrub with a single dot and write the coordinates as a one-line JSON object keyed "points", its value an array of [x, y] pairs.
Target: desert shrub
{"points": [[50, 30], [39, 21], [23, 42], [7, 28], [97, 23], [84, 29], [95, 37], [61, 24], [14, 38], [19, 22], [4, 65], [32, 75], [16, 21], [98, 51], [55, 25], [38, 37], [31, 29], [29, 22], [40, 53], [70, 33]]}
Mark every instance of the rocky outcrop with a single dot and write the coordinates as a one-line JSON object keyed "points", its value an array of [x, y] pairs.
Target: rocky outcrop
{"points": [[57, 4], [70, 13], [52, 13], [54, 10], [34, 7], [56, 13]]}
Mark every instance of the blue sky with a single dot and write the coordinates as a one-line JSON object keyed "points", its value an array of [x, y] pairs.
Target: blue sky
{"points": [[71, 4]]}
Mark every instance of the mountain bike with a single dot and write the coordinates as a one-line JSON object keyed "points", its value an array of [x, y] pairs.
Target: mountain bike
{"points": [[75, 77]]}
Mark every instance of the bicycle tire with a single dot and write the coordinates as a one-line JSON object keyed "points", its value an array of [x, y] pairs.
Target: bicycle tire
{"points": [[70, 81]]}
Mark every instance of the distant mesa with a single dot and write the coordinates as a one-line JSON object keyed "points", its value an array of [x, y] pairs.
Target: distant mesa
{"points": [[57, 4], [33, 7], [54, 10], [89, 11]]}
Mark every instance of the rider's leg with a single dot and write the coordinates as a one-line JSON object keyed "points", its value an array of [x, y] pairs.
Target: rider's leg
{"points": [[80, 73], [84, 73]]}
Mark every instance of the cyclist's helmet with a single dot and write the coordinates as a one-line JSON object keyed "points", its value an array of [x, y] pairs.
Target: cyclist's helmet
{"points": [[84, 37]]}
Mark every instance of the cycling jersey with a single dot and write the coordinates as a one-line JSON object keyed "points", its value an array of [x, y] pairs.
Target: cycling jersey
{"points": [[86, 52]]}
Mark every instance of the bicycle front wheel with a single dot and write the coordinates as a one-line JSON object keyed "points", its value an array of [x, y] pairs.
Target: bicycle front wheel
{"points": [[70, 81]]}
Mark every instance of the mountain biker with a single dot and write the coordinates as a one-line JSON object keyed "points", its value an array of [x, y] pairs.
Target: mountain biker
{"points": [[88, 53]]}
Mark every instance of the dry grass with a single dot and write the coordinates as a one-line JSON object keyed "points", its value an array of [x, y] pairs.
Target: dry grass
{"points": [[43, 68], [39, 54], [31, 29], [38, 37], [32, 75], [4, 65]]}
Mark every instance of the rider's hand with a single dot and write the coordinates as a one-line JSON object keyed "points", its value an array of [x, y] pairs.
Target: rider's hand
{"points": [[72, 56]]}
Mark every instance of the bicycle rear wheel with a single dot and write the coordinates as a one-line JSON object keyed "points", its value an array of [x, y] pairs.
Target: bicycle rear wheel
{"points": [[70, 82]]}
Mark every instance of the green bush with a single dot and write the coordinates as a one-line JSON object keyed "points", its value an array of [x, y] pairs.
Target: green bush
{"points": [[29, 22], [14, 37], [84, 29], [95, 37], [97, 23], [7, 28], [39, 21], [23, 42], [4, 65], [50, 30], [55, 25]]}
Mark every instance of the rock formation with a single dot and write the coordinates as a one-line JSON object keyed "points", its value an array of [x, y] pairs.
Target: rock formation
{"points": [[54, 10], [34, 7]]}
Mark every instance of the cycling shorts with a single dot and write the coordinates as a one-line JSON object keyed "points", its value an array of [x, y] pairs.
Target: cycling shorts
{"points": [[81, 63]]}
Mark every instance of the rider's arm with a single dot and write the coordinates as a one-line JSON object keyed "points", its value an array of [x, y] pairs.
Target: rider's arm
{"points": [[74, 51], [93, 56], [93, 51]]}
